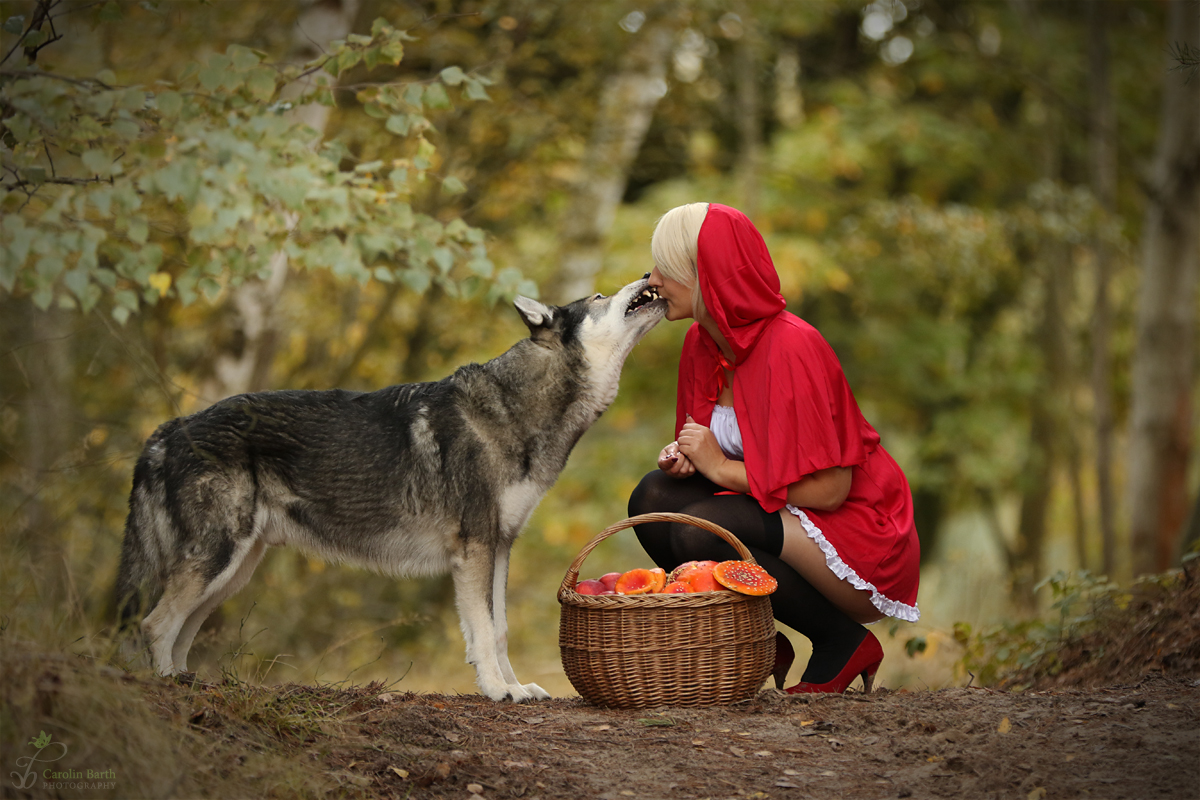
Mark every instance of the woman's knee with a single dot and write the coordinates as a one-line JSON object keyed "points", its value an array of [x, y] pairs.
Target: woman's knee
{"points": [[650, 495], [690, 543]]}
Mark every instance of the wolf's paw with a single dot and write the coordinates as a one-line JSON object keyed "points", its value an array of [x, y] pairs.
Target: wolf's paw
{"points": [[518, 693], [533, 692]]}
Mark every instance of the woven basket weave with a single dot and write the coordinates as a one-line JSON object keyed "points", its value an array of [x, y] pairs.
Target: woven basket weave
{"points": [[638, 651]]}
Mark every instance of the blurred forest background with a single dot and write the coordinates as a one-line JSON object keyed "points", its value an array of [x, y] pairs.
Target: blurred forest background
{"points": [[990, 209]]}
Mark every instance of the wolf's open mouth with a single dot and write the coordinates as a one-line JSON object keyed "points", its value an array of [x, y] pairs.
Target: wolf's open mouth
{"points": [[645, 297]]}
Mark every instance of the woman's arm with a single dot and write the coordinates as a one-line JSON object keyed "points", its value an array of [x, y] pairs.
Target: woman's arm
{"points": [[823, 490]]}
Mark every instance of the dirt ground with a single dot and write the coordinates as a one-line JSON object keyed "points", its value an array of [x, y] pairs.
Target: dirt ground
{"points": [[1132, 741]]}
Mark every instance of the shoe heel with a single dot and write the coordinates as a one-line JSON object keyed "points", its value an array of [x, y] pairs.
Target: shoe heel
{"points": [[784, 656]]}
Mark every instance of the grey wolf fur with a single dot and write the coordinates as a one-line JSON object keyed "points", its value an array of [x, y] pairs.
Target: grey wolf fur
{"points": [[414, 479]]}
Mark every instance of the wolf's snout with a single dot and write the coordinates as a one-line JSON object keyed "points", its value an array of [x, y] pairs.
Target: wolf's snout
{"points": [[644, 297]]}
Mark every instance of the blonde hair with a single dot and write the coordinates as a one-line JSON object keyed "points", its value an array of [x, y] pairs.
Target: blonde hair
{"points": [[673, 248]]}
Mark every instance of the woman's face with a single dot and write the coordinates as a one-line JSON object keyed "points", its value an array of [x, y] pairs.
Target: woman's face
{"points": [[677, 295]]}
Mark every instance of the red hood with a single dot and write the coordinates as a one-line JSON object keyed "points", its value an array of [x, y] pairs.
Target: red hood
{"points": [[737, 277]]}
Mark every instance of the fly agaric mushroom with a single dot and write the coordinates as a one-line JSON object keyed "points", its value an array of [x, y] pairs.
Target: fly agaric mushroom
{"points": [[744, 577]]}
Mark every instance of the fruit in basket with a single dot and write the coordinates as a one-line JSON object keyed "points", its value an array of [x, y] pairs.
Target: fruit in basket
{"points": [[591, 586], [744, 577], [675, 587], [642, 581], [609, 580]]}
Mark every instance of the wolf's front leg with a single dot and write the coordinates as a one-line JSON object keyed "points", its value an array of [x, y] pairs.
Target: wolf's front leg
{"points": [[500, 623], [474, 569]]}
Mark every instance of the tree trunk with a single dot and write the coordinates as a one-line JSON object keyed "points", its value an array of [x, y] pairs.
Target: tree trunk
{"points": [[789, 97], [1161, 403], [245, 365], [627, 103], [49, 434], [749, 125], [1103, 158]]}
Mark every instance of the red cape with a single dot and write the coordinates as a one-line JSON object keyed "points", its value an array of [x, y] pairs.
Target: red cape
{"points": [[785, 373]]}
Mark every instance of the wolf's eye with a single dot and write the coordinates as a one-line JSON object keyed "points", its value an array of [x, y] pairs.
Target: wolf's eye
{"points": [[597, 296]]}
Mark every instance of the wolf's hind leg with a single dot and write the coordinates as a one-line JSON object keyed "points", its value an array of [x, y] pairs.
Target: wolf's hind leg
{"points": [[246, 558], [184, 592], [500, 623]]}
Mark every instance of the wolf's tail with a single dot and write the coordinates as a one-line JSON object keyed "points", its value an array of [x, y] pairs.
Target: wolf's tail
{"points": [[139, 577]]}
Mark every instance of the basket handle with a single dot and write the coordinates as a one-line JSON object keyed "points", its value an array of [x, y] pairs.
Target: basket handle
{"points": [[572, 576]]}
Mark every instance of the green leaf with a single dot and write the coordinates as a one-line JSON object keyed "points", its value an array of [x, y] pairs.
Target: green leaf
{"points": [[14, 25], [169, 103], [97, 161], [77, 281], [453, 76], [413, 94], [131, 100], [453, 186], [212, 77], [435, 96], [243, 58], [43, 297], [126, 128], [393, 51], [443, 258], [49, 267], [398, 124], [416, 279], [475, 90], [261, 83], [139, 230]]}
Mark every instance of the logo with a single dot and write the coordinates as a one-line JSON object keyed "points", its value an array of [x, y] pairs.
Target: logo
{"points": [[41, 742], [49, 751]]}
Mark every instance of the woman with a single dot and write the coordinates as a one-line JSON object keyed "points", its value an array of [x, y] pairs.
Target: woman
{"points": [[771, 445]]}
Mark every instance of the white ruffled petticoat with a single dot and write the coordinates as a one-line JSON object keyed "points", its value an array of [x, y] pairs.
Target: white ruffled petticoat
{"points": [[892, 608]]}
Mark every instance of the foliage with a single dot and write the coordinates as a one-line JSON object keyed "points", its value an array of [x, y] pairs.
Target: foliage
{"points": [[1101, 635], [180, 188]]}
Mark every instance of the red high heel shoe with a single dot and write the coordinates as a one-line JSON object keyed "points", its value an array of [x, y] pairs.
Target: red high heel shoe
{"points": [[784, 656], [865, 662]]}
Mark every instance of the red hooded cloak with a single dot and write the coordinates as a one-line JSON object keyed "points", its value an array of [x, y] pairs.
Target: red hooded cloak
{"points": [[796, 415]]}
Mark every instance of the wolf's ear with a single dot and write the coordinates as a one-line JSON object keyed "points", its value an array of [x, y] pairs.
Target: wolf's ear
{"points": [[535, 314]]}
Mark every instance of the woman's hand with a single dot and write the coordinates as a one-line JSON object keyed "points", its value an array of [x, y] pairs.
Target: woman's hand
{"points": [[674, 463], [699, 444]]}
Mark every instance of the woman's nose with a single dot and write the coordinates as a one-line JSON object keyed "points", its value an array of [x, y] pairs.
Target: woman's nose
{"points": [[654, 277]]}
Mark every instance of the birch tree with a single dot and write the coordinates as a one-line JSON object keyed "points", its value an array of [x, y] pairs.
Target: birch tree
{"points": [[1161, 426]]}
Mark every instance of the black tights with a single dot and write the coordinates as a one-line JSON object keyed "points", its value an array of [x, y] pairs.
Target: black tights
{"points": [[795, 603]]}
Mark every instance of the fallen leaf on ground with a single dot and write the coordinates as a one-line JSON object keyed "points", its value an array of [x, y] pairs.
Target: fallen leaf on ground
{"points": [[1005, 726]]}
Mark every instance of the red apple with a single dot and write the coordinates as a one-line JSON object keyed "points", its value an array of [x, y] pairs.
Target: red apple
{"points": [[610, 580], [590, 587]]}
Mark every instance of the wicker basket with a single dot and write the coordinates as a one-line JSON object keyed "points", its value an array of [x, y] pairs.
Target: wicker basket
{"points": [[637, 651]]}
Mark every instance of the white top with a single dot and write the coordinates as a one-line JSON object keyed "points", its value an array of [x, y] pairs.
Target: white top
{"points": [[724, 426]]}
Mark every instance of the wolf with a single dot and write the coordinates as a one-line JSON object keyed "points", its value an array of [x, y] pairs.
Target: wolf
{"points": [[413, 479]]}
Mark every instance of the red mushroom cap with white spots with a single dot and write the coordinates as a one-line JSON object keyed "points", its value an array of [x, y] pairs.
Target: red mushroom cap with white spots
{"points": [[744, 577]]}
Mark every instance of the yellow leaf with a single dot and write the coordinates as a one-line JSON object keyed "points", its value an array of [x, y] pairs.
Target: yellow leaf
{"points": [[1005, 726], [160, 281], [1037, 794], [403, 773]]}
